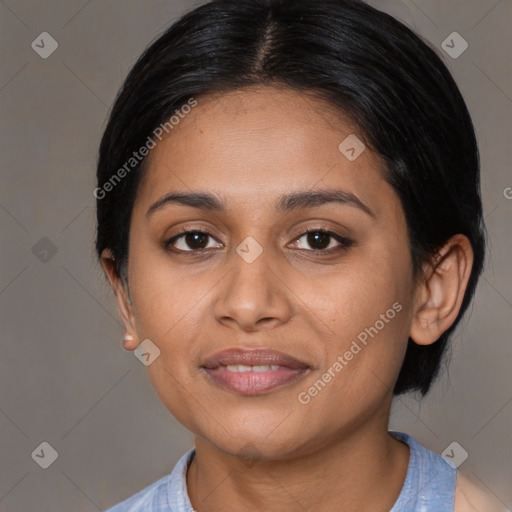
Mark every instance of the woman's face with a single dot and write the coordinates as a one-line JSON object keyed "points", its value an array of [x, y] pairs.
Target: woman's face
{"points": [[256, 279]]}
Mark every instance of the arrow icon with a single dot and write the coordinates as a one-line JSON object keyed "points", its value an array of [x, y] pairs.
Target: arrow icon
{"points": [[247, 252], [351, 147], [44, 45], [44, 250], [454, 45], [44, 455], [454, 454], [147, 352]]}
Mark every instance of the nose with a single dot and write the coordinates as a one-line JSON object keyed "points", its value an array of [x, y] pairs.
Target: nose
{"points": [[252, 296]]}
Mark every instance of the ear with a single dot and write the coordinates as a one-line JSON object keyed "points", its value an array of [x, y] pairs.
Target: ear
{"points": [[439, 295], [131, 341]]}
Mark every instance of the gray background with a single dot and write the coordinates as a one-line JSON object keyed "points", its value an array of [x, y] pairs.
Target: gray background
{"points": [[64, 377]]}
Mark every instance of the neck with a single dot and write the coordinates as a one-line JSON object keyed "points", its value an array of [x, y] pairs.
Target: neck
{"points": [[362, 470]]}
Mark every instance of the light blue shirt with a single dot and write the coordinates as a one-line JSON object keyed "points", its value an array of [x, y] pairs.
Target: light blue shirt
{"points": [[429, 486]]}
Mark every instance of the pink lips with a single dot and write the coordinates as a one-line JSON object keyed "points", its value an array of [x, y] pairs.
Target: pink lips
{"points": [[285, 369]]}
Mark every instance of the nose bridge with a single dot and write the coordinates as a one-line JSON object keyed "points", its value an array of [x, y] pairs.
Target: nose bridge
{"points": [[252, 292]]}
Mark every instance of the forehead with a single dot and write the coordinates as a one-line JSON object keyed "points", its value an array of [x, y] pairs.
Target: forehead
{"points": [[254, 144]]}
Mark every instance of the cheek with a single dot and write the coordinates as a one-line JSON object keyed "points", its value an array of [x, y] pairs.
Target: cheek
{"points": [[364, 313], [166, 298], [355, 294], [169, 312]]}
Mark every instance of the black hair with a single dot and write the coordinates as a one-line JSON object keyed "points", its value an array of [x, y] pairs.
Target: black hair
{"points": [[364, 63]]}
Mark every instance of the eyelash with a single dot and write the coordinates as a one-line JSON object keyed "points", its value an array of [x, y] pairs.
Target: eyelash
{"points": [[344, 242]]}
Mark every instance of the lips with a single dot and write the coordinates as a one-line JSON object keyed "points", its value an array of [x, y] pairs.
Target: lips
{"points": [[253, 371], [252, 357]]}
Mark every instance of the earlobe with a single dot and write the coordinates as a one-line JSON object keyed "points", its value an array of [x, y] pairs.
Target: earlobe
{"points": [[441, 292], [130, 341]]}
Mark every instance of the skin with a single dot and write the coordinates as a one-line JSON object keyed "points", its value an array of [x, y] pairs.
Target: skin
{"points": [[249, 148]]}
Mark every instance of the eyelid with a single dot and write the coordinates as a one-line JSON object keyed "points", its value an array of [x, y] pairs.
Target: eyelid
{"points": [[315, 226]]}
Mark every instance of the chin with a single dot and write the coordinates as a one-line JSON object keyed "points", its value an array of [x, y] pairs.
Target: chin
{"points": [[254, 444]]}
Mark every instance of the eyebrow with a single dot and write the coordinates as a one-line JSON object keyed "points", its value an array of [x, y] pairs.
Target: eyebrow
{"points": [[287, 203]]}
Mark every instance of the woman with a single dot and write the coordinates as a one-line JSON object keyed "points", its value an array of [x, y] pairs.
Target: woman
{"points": [[289, 214]]}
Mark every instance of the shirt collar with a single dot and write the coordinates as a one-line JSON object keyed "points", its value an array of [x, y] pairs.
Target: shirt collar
{"points": [[177, 495]]}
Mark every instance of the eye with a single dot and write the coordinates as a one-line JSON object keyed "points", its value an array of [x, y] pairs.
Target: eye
{"points": [[319, 240], [322, 241], [190, 241]]}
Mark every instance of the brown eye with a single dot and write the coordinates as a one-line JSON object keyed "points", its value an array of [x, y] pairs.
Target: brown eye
{"points": [[320, 240], [196, 240], [191, 241]]}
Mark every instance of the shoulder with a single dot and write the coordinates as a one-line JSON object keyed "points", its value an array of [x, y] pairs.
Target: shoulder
{"points": [[166, 494], [429, 484], [471, 498], [148, 499]]}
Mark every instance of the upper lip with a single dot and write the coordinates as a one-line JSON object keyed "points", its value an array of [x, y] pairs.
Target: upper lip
{"points": [[252, 357]]}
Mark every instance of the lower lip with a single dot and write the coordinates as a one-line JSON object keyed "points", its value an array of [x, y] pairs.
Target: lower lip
{"points": [[254, 383]]}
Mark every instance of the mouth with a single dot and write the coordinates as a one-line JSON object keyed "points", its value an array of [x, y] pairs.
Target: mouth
{"points": [[253, 371]]}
